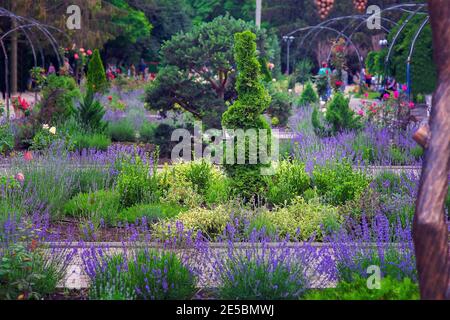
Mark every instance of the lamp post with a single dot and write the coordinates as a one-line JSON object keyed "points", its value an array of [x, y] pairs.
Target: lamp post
{"points": [[288, 40], [258, 13]]}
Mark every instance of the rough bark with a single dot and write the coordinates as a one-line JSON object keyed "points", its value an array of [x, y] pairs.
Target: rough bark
{"points": [[430, 225]]}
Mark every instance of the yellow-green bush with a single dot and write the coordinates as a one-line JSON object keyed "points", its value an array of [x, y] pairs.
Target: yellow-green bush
{"points": [[304, 219]]}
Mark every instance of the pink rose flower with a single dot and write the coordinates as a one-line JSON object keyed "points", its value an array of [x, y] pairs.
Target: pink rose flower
{"points": [[89, 52], [76, 56], [361, 113], [405, 87], [386, 96], [411, 105], [396, 94]]}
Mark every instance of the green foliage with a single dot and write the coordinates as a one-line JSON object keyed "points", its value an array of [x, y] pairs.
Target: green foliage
{"points": [[423, 68], [303, 71], [151, 213], [90, 114], [308, 95], [57, 104], [147, 132], [96, 76], [303, 220], [122, 131], [193, 183], [91, 141], [390, 289], [44, 139], [200, 70], [151, 275], [290, 180], [100, 205], [340, 116], [27, 273], [256, 280], [211, 222], [338, 183], [246, 113], [6, 139], [136, 184], [317, 123], [280, 108]]}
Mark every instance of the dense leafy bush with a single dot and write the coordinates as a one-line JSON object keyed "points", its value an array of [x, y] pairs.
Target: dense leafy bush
{"points": [[147, 132], [304, 220], [122, 131], [308, 95], [339, 114], [91, 141], [338, 183], [151, 213], [57, 102], [390, 289], [193, 183], [101, 205], [280, 108], [150, 275], [136, 183], [211, 222], [246, 113], [290, 180], [6, 139], [96, 76]]}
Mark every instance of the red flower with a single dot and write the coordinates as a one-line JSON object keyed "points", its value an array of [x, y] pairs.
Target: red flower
{"points": [[338, 83], [28, 156], [110, 98]]}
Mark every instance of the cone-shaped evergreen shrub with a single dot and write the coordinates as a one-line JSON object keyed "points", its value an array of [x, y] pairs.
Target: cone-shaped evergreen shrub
{"points": [[246, 113], [96, 76], [308, 95], [340, 116]]}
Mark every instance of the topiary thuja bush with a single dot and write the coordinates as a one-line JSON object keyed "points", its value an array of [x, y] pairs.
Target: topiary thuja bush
{"points": [[340, 116], [308, 95], [96, 77], [246, 113]]}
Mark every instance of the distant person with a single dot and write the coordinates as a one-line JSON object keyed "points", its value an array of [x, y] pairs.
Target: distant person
{"points": [[133, 71], [325, 71], [142, 67]]}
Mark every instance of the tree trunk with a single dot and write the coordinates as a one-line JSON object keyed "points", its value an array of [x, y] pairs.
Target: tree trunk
{"points": [[430, 223]]}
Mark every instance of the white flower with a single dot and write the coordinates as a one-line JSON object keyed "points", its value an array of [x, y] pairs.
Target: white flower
{"points": [[45, 127], [52, 130]]}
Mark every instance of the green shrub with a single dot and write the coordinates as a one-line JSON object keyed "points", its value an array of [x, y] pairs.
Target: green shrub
{"points": [[100, 205], [57, 104], [338, 183], [96, 75], [211, 222], [135, 184], [150, 275], [122, 131], [290, 180], [308, 96], [147, 132], [316, 121], [398, 156], [339, 114], [246, 113], [27, 273], [152, 212], [417, 152], [92, 141], [193, 183], [304, 220], [390, 289], [263, 225], [280, 108], [91, 113], [6, 140]]}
